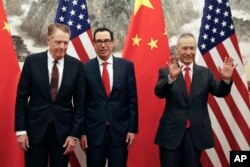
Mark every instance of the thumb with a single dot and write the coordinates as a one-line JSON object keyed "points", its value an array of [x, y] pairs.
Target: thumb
{"points": [[65, 143], [27, 143], [127, 139], [219, 69]]}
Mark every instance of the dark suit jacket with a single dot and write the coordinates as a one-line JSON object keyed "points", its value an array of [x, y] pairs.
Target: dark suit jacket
{"points": [[119, 109], [34, 103], [179, 107]]}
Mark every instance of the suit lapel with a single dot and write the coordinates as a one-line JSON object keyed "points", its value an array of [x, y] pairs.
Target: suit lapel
{"points": [[195, 82], [116, 71], [181, 83], [45, 72], [65, 74], [96, 70]]}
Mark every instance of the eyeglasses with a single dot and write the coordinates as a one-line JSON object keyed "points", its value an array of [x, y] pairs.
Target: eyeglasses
{"points": [[106, 42]]}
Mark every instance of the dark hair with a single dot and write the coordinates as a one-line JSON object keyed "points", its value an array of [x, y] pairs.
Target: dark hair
{"points": [[102, 29], [52, 28]]}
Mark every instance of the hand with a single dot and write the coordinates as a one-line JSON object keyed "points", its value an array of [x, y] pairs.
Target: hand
{"points": [[23, 142], [227, 70], [130, 139], [84, 143], [174, 69], [70, 144]]}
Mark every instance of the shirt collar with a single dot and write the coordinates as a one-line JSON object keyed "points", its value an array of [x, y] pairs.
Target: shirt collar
{"points": [[51, 59], [190, 66], [110, 60]]}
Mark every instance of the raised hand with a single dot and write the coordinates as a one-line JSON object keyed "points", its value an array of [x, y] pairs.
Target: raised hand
{"points": [[228, 68], [174, 68]]}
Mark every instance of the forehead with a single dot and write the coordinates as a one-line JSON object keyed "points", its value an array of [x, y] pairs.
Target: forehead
{"points": [[102, 35], [59, 34], [187, 41]]}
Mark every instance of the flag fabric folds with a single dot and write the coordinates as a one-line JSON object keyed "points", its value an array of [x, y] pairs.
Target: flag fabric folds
{"points": [[74, 14], [147, 47], [11, 155], [230, 115]]}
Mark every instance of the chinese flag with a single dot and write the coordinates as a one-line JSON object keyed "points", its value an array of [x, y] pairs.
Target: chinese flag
{"points": [[147, 46], [10, 154]]}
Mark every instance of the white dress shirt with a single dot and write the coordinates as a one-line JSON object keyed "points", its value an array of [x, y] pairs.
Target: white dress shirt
{"points": [[109, 68]]}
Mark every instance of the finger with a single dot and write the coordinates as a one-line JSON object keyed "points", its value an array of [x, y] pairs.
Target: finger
{"points": [[219, 69], [65, 144], [130, 143], [127, 139], [66, 151], [86, 144], [27, 143], [226, 60], [23, 146], [83, 146], [69, 149]]}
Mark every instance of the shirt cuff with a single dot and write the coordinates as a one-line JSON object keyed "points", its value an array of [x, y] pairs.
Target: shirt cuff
{"points": [[19, 133], [226, 81], [74, 138], [170, 81]]}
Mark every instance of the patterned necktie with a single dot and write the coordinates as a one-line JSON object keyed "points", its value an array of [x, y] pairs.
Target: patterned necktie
{"points": [[54, 81], [187, 80], [105, 78]]}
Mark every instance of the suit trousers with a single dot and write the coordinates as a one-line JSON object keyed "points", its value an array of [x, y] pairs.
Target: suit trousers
{"points": [[115, 154], [185, 155], [48, 149]]}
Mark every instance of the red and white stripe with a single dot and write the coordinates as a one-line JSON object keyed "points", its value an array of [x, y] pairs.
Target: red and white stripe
{"points": [[230, 116], [81, 47]]}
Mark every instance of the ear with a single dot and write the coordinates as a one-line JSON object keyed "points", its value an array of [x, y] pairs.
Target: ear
{"points": [[176, 49]]}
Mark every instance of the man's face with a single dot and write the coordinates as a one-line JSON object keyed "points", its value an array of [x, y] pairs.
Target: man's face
{"points": [[186, 49], [103, 45], [58, 44]]}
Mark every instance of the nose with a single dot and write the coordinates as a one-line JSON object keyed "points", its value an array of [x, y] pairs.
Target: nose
{"points": [[188, 51]]}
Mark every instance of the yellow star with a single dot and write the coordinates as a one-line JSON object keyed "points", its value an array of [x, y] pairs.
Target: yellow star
{"points": [[136, 40], [139, 3], [6, 26], [153, 44]]}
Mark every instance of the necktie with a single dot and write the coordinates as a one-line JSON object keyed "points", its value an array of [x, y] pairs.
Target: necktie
{"points": [[187, 80], [105, 78], [54, 81], [188, 86]]}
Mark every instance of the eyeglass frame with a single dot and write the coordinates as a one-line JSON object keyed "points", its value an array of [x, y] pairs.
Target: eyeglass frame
{"points": [[106, 42]]}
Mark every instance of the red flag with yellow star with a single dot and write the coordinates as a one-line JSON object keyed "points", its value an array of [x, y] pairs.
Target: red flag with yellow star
{"points": [[10, 154], [147, 46]]}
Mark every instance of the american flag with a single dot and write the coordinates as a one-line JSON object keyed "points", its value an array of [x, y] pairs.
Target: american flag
{"points": [[230, 115], [74, 13]]}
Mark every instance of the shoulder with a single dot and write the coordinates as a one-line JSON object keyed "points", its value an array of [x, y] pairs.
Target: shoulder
{"points": [[72, 60], [91, 62], [122, 61], [36, 57], [200, 68]]}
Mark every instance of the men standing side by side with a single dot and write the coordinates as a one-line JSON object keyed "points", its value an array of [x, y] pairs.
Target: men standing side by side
{"points": [[49, 104], [111, 116], [185, 127]]}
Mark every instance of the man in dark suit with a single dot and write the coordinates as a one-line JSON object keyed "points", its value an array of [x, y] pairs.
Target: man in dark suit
{"points": [[49, 103], [111, 108], [185, 127]]}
